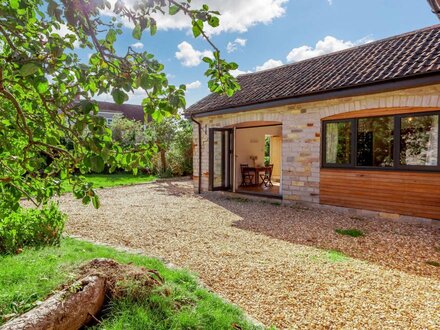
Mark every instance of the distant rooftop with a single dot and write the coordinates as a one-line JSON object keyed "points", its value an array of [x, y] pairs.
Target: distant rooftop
{"points": [[130, 111], [406, 56]]}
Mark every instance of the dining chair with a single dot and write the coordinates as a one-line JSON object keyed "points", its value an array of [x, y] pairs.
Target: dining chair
{"points": [[246, 175], [266, 178]]}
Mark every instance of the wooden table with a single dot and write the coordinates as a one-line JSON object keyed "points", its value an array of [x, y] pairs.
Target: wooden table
{"points": [[257, 170]]}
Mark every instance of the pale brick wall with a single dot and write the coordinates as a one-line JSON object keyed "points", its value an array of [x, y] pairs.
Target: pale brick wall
{"points": [[302, 134]]}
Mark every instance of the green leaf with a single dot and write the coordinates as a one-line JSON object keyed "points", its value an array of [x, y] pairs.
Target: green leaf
{"points": [[14, 4], [146, 81], [96, 202], [29, 69], [174, 10], [111, 36], [97, 164], [197, 28], [153, 28], [196, 31], [119, 96], [137, 32], [42, 87], [63, 174], [214, 21], [86, 200]]}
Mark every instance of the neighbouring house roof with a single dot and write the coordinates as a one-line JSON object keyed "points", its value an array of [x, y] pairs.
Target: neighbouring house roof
{"points": [[129, 111], [409, 59], [435, 5]]}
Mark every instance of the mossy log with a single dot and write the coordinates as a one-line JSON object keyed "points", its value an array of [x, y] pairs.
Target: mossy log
{"points": [[68, 309]]}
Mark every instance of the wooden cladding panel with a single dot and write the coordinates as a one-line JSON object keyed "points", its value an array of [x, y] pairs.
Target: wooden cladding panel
{"points": [[407, 193]]}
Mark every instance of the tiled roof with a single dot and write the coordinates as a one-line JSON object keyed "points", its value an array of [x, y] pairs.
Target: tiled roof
{"points": [[130, 111], [400, 57]]}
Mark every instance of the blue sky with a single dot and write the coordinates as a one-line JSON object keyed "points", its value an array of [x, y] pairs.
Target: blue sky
{"points": [[266, 33]]}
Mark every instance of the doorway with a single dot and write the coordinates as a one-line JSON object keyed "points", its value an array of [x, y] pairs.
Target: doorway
{"points": [[221, 146], [258, 158]]}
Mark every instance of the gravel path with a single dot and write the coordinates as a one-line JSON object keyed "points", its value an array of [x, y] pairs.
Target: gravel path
{"points": [[407, 247], [274, 281]]}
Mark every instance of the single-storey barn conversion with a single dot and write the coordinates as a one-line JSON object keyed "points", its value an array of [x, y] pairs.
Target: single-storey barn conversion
{"points": [[356, 129]]}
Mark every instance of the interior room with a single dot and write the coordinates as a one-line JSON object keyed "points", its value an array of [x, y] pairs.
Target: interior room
{"points": [[258, 159]]}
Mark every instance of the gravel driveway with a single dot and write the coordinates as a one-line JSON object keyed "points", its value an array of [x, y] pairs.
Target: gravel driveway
{"points": [[273, 280]]}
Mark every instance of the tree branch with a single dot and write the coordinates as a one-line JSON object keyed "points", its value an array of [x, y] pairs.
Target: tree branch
{"points": [[8, 40]]}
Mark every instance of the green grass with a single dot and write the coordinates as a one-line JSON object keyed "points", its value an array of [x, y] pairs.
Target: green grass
{"points": [[114, 180], [433, 263], [336, 256], [31, 276], [350, 232]]}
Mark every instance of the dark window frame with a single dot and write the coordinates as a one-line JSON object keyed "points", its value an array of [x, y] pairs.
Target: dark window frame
{"points": [[324, 139], [356, 123], [396, 149]]}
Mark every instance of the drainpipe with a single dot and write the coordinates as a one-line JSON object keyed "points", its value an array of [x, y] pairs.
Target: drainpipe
{"points": [[199, 190]]}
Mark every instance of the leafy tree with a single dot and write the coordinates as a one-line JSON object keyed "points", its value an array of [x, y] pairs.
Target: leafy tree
{"points": [[180, 156], [46, 92], [162, 134], [128, 133]]}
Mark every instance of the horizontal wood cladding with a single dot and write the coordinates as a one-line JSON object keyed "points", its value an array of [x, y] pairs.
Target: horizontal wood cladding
{"points": [[407, 193]]}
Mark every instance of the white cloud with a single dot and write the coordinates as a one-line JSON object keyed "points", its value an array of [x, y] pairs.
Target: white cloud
{"points": [[233, 45], [194, 85], [330, 2], [328, 45], [237, 15], [138, 45], [269, 64], [189, 56], [238, 72], [241, 42], [64, 31]]}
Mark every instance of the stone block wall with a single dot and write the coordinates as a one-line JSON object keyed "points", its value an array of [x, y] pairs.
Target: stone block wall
{"points": [[301, 128]]}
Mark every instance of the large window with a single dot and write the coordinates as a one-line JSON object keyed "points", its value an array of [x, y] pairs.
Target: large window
{"points": [[393, 142]]}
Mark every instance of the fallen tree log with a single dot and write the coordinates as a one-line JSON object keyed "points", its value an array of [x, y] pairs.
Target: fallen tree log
{"points": [[68, 309], [77, 305]]}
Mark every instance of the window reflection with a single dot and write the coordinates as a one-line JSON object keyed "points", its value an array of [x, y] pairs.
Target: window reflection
{"points": [[375, 141], [419, 140], [338, 142]]}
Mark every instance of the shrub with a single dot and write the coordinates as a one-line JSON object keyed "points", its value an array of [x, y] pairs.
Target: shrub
{"points": [[31, 228]]}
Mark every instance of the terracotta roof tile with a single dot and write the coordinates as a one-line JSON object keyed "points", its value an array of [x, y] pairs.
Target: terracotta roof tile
{"points": [[130, 111], [399, 57]]}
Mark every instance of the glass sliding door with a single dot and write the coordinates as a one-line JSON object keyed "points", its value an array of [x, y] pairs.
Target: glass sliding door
{"points": [[221, 144]]}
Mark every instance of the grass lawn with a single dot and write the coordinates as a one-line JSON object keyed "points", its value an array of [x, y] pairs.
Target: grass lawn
{"points": [[114, 180], [30, 276]]}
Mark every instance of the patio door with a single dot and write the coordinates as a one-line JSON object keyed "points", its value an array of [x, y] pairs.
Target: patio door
{"points": [[221, 145]]}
